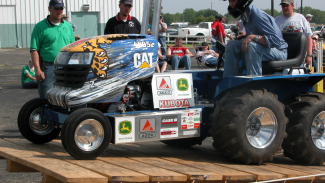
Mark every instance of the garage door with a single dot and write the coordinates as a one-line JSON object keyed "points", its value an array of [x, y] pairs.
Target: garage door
{"points": [[86, 22], [8, 31]]}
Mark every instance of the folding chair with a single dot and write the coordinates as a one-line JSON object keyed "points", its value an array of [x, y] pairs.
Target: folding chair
{"points": [[201, 65]]}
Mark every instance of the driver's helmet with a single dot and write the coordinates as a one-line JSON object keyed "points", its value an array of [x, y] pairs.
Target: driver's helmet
{"points": [[240, 7]]}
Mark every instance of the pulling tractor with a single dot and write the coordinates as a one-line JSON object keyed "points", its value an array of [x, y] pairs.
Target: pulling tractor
{"points": [[106, 92]]}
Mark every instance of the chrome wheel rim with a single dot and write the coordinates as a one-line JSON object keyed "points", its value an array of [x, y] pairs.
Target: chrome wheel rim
{"points": [[317, 131], [261, 127], [89, 135], [36, 125]]}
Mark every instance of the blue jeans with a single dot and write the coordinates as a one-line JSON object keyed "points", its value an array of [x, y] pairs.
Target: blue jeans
{"points": [[254, 56], [214, 43], [162, 41], [30, 84], [47, 83], [212, 60], [183, 61]]}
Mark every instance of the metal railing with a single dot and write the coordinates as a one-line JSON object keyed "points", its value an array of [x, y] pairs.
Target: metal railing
{"points": [[187, 39]]}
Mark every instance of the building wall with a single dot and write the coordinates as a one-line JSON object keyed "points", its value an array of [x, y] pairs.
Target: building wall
{"points": [[27, 13]]}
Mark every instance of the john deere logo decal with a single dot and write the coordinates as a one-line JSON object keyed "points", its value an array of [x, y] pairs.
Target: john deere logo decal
{"points": [[182, 84], [125, 127]]}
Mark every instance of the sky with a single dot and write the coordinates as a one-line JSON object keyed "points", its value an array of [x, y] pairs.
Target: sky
{"points": [[177, 6]]}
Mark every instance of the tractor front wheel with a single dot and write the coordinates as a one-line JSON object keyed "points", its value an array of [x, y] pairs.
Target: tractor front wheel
{"points": [[86, 133]]}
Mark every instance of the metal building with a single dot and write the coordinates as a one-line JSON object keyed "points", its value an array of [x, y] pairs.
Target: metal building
{"points": [[18, 17]]}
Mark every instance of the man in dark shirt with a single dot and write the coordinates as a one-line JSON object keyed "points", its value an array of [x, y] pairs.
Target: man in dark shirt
{"points": [[123, 23]]}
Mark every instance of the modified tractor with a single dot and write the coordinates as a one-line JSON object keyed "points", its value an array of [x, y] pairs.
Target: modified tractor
{"points": [[106, 92]]}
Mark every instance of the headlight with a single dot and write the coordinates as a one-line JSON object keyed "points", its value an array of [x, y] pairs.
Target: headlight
{"points": [[81, 58]]}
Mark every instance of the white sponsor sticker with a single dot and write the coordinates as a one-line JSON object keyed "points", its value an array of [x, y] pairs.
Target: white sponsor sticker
{"points": [[191, 132], [168, 133]]}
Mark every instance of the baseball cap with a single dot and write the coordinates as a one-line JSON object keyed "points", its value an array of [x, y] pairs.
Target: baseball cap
{"points": [[205, 44], [125, 2], [217, 16], [221, 17], [286, 2], [57, 3], [309, 15], [314, 37]]}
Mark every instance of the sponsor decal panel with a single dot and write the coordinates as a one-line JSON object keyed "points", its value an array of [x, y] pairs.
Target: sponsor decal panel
{"points": [[164, 86], [182, 84], [124, 128], [142, 60], [169, 120], [196, 125], [190, 132], [147, 135], [178, 103], [148, 125], [169, 132]]}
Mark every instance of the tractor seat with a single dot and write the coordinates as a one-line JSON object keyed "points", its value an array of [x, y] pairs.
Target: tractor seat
{"points": [[297, 48]]}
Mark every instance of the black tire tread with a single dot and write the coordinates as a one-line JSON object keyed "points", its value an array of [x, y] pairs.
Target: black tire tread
{"points": [[298, 145], [225, 120]]}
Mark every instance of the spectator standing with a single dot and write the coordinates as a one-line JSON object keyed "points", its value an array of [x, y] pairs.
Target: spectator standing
{"points": [[74, 27], [162, 35], [214, 32], [209, 56], [309, 17], [48, 37], [264, 40], [180, 55], [28, 79], [123, 22], [222, 20], [290, 21]]}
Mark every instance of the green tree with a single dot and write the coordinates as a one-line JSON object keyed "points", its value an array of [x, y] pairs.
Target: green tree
{"points": [[199, 19]]}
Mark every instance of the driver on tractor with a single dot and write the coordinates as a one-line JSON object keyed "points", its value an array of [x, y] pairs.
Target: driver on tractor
{"points": [[264, 41]]}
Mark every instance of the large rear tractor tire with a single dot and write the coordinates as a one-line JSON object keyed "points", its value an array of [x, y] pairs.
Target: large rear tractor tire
{"points": [[248, 125], [306, 136], [184, 143], [30, 125], [86, 133]]}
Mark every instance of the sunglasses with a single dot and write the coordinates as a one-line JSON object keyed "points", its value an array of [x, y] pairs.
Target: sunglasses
{"points": [[61, 8], [128, 5], [285, 5]]}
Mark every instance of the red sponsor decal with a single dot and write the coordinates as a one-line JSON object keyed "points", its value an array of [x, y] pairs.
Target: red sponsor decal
{"points": [[163, 84], [190, 114], [147, 126], [174, 103], [184, 127], [196, 125], [168, 133]]}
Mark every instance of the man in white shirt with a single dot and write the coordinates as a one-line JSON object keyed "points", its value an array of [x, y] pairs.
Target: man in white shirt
{"points": [[290, 21]]}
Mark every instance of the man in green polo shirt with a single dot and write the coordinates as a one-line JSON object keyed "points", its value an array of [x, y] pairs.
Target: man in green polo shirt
{"points": [[48, 37]]}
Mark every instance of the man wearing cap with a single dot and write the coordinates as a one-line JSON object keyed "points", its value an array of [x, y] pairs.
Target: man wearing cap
{"points": [[48, 37], [309, 17], [209, 56], [162, 35], [123, 23], [290, 21], [28, 80]]}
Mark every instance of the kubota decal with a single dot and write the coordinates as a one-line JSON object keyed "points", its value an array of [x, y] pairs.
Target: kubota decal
{"points": [[174, 103]]}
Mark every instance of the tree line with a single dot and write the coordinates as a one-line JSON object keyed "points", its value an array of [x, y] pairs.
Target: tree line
{"points": [[207, 15]]}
